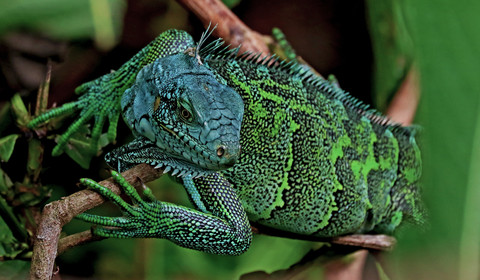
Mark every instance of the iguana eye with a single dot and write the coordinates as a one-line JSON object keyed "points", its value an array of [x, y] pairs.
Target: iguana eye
{"points": [[185, 114]]}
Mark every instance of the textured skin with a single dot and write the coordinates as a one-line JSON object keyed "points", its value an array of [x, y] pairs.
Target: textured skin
{"points": [[314, 161], [167, 89], [221, 228], [101, 97]]}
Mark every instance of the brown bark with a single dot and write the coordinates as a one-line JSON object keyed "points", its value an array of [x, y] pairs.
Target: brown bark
{"points": [[229, 27], [58, 213]]}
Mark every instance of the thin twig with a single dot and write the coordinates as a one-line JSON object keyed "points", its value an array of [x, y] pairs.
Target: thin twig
{"points": [[230, 27], [76, 239], [404, 104], [368, 241]]}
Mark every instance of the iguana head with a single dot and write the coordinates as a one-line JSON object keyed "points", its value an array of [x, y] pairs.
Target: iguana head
{"points": [[190, 119]]}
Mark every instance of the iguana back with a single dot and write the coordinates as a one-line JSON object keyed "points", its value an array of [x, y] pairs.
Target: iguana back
{"points": [[314, 160]]}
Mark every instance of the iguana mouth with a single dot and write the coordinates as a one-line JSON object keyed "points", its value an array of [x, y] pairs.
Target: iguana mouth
{"points": [[193, 161], [180, 168], [224, 156]]}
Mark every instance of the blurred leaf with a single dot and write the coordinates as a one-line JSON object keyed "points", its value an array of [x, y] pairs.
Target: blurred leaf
{"points": [[5, 118], [79, 147], [447, 44], [66, 20], [7, 144], [35, 157], [381, 273], [392, 47], [103, 140], [9, 218], [19, 110], [6, 235], [231, 3], [9, 245], [14, 269], [5, 182], [104, 30]]}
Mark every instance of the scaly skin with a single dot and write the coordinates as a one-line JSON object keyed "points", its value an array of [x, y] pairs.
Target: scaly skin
{"points": [[221, 228], [314, 161], [101, 97]]}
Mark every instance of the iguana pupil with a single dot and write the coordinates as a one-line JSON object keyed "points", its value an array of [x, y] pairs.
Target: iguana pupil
{"points": [[220, 151], [185, 114]]}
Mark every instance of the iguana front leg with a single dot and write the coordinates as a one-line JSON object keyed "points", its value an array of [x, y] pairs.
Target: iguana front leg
{"points": [[101, 97], [219, 226]]}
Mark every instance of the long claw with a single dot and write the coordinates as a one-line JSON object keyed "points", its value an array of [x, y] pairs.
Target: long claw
{"points": [[63, 110], [115, 232], [112, 129], [107, 193], [97, 129], [71, 130], [127, 188], [106, 221]]}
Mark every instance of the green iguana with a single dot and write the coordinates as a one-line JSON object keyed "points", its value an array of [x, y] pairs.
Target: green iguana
{"points": [[251, 139]]}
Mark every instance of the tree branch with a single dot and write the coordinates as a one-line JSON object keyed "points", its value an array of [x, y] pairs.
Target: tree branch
{"points": [[230, 27], [58, 213], [404, 104]]}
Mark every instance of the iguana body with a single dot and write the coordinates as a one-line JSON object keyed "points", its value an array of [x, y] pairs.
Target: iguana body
{"points": [[314, 161]]}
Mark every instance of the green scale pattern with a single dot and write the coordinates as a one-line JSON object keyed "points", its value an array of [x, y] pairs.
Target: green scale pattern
{"points": [[314, 161], [222, 228]]}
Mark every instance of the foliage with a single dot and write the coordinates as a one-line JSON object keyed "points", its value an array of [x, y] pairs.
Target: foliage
{"points": [[446, 40], [99, 19], [16, 197]]}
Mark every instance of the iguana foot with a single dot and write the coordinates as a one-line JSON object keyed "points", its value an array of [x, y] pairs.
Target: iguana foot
{"points": [[221, 227], [100, 102]]}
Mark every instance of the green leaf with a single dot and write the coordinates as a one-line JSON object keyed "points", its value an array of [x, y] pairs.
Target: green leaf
{"points": [[231, 3], [10, 247], [5, 182], [14, 269], [79, 147], [5, 117], [381, 273], [35, 157], [59, 19], [7, 144], [19, 110], [11, 221], [6, 235], [392, 48]]}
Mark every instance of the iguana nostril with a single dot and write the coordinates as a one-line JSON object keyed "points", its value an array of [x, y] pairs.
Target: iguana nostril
{"points": [[220, 151]]}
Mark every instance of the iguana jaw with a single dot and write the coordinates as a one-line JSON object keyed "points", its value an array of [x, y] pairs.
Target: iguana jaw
{"points": [[215, 154], [142, 150]]}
